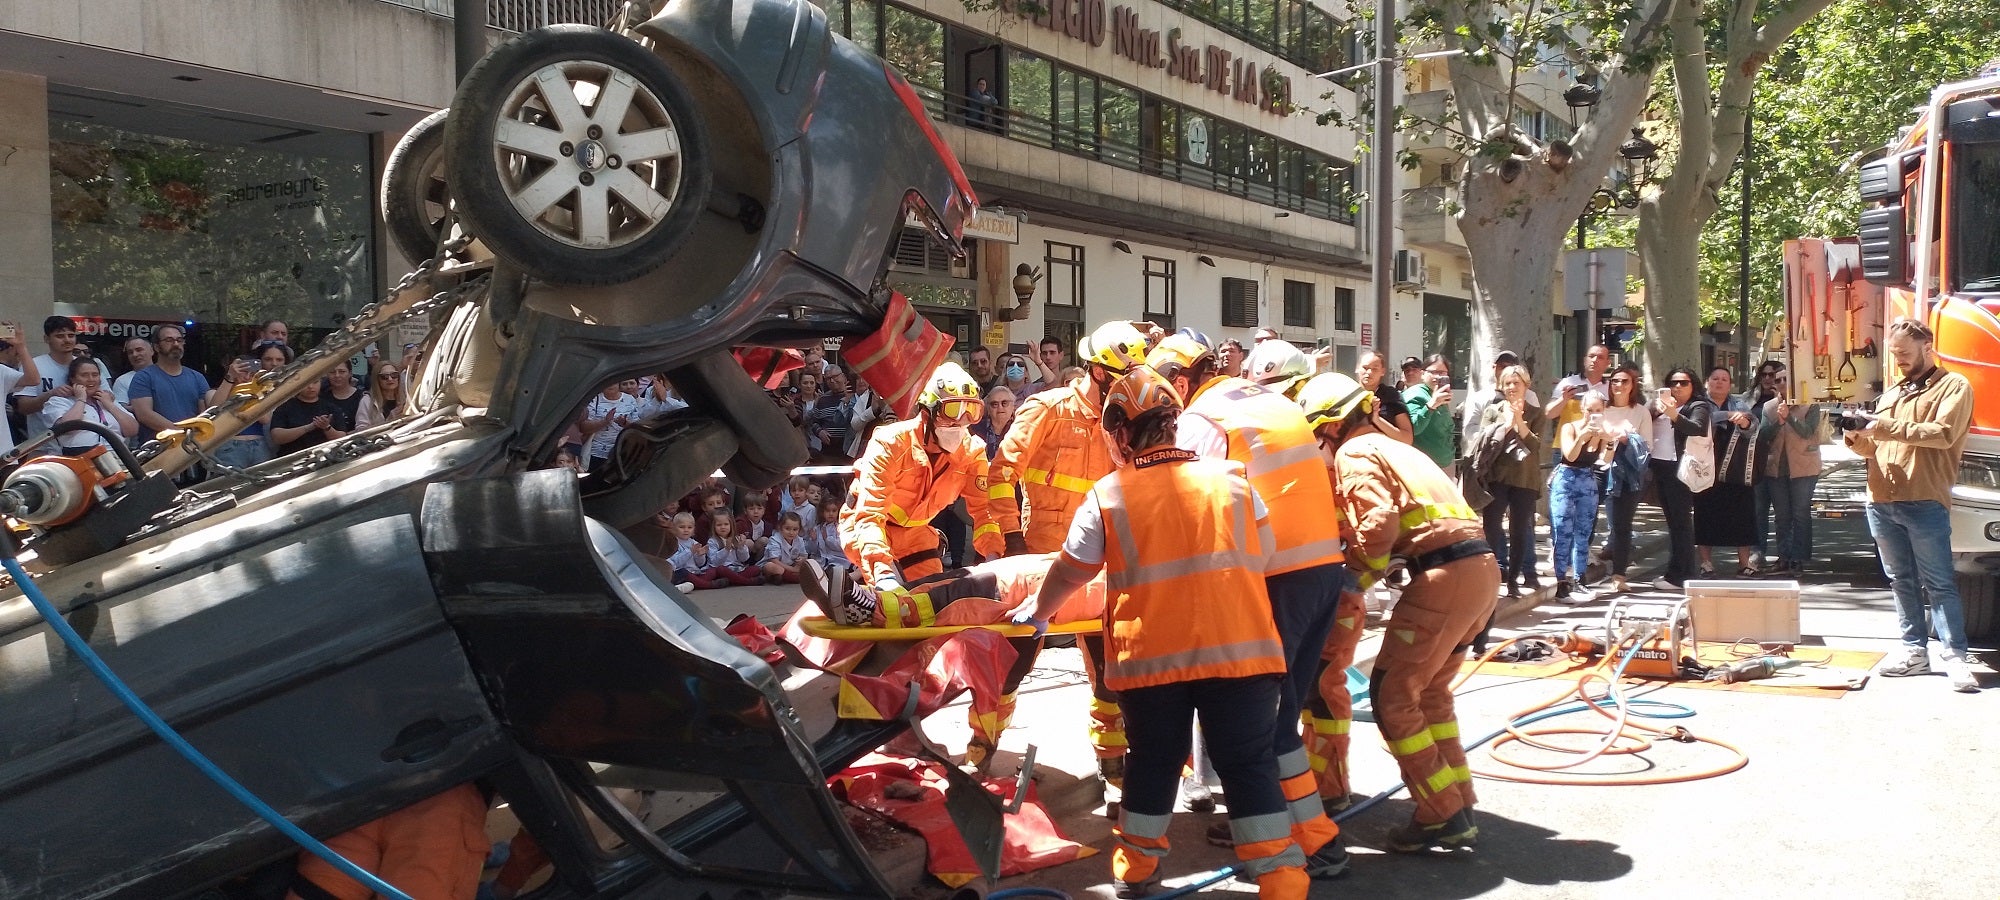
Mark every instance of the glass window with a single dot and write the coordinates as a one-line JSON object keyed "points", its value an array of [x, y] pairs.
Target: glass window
{"points": [[1164, 136], [225, 222], [1118, 123], [864, 21], [1343, 310], [1299, 303], [1065, 264], [1030, 99], [1197, 141], [1263, 22], [1975, 238], [1161, 287], [914, 44]]}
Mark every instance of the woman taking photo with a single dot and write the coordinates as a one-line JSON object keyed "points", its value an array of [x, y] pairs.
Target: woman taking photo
{"points": [[1671, 429], [1516, 482], [1573, 491], [1627, 416], [1725, 515], [1791, 469]]}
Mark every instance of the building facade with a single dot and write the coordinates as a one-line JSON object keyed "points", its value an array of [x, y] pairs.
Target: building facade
{"points": [[217, 162]]}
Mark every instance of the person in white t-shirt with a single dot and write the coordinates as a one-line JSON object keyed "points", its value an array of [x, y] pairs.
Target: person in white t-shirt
{"points": [[53, 367], [16, 369], [606, 416], [84, 398], [138, 354]]}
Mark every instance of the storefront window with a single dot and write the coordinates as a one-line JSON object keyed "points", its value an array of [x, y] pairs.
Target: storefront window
{"points": [[151, 229]]}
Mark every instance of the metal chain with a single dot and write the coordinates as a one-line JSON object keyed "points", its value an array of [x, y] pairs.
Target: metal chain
{"points": [[351, 335]]}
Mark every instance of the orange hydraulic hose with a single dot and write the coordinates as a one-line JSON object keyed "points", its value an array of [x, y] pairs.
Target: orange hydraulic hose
{"points": [[1636, 737]]}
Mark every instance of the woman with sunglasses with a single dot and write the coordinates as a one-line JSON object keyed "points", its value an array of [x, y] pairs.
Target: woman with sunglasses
{"points": [[1671, 429], [385, 394], [1627, 416]]}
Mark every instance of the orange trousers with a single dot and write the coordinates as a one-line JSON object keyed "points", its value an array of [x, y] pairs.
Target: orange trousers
{"points": [[1329, 712], [433, 849], [1440, 613]]}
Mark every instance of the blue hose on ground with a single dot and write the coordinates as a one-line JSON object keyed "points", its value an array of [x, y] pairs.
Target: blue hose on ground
{"points": [[118, 688], [1027, 892]]}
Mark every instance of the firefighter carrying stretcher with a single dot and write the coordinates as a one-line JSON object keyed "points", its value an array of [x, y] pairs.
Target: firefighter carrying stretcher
{"points": [[1409, 520], [1183, 543], [1055, 451]]}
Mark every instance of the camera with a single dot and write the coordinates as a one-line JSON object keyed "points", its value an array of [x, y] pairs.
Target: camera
{"points": [[1850, 420]]}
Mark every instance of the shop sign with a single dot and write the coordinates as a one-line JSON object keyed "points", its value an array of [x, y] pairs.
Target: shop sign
{"points": [[1209, 66], [118, 329], [1367, 335], [992, 225]]}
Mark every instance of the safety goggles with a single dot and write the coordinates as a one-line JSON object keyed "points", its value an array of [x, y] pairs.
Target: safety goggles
{"points": [[960, 412]]}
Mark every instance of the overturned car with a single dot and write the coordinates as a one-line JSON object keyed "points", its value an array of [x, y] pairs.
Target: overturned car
{"points": [[358, 626]]}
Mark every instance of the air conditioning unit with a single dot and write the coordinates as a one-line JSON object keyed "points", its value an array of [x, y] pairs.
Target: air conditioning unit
{"points": [[1410, 270]]}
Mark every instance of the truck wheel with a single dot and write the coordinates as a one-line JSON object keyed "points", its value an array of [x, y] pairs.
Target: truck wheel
{"points": [[575, 154], [415, 196], [1975, 593]]}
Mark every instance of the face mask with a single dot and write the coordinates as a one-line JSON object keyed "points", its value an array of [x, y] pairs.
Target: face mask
{"points": [[1016, 373], [950, 436]]}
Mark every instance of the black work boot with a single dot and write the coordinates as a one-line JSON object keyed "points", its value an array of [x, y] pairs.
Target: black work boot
{"points": [[1451, 834]]}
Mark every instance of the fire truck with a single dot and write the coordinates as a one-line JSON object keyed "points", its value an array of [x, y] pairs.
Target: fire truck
{"points": [[1928, 247]]}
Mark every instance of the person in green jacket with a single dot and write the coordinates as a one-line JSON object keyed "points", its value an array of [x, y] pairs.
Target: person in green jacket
{"points": [[1429, 399]]}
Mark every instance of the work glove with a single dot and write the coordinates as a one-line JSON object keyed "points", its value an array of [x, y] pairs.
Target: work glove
{"points": [[889, 584], [1017, 544], [1397, 575], [1026, 616]]}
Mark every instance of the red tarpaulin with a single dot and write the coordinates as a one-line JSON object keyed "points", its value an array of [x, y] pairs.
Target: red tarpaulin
{"points": [[911, 793]]}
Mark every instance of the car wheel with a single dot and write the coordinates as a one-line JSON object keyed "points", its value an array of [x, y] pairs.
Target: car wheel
{"points": [[1976, 596], [414, 193], [575, 154]]}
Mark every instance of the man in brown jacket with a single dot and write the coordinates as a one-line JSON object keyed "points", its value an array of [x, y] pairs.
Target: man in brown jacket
{"points": [[1912, 443]]}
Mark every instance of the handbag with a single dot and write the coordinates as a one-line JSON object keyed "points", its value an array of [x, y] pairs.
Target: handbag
{"points": [[1697, 465]]}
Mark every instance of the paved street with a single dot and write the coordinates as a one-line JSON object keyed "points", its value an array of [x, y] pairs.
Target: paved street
{"points": [[1880, 793]]}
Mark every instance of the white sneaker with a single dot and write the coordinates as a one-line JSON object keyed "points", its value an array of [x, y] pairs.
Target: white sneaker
{"points": [[1914, 661], [1662, 584], [1962, 680], [685, 587]]}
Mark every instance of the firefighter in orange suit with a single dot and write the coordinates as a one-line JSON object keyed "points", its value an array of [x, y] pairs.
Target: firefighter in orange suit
{"points": [[1055, 451], [1329, 706], [1183, 543], [1259, 429], [910, 472], [1409, 520]]}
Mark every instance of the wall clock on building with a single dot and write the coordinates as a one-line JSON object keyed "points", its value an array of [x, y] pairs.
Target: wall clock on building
{"points": [[1197, 142]]}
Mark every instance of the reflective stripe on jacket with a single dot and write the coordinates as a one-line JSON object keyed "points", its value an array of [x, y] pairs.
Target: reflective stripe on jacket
{"points": [[1269, 436], [1184, 576], [898, 485], [1055, 450], [1397, 501]]}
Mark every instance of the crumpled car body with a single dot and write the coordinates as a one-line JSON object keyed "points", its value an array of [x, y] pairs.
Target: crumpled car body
{"points": [[435, 606]]}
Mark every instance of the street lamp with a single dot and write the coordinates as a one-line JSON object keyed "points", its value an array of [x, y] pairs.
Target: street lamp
{"points": [[1636, 158], [1025, 278], [1383, 138]]}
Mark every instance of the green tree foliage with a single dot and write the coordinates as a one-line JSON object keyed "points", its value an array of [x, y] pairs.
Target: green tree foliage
{"points": [[1844, 86]]}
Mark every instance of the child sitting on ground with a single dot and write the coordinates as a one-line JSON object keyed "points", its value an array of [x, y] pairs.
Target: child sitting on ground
{"points": [[690, 557], [728, 556], [754, 526], [825, 541], [786, 551]]}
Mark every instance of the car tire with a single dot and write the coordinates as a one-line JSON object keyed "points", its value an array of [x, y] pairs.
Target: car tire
{"points": [[415, 193], [572, 195], [1976, 597]]}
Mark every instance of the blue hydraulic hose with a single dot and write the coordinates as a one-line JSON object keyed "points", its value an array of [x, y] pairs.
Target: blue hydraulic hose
{"points": [[82, 650]]}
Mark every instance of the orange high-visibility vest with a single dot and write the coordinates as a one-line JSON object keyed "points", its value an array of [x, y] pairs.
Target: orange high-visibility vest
{"points": [[1270, 437], [1184, 574], [899, 487], [1055, 450]]}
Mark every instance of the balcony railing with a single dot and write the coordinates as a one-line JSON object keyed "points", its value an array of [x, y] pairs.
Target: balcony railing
{"points": [[1067, 138], [527, 15]]}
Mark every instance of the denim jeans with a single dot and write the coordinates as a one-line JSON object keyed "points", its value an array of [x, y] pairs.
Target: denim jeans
{"points": [[242, 454], [1572, 512], [1766, 492], [1915, 539], [1791, 507]]}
